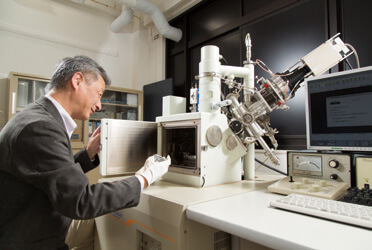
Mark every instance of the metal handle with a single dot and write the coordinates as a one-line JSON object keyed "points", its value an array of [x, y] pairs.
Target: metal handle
{"points": [[13, 102]]}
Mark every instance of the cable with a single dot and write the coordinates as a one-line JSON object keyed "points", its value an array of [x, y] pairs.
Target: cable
{"points": [[259, 62], [269, 167], [348, 63], [355, 53], [290, 93], [261, 164]]}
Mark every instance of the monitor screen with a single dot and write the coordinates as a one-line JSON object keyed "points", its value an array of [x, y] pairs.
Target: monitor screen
{"points": [[153, 98], [339, 111]]}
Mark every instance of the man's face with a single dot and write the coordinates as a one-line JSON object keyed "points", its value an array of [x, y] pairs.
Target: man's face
{"points": [[89, 97]]}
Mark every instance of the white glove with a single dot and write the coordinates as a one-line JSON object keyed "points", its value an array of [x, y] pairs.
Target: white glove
{"points": [[155, 167]]}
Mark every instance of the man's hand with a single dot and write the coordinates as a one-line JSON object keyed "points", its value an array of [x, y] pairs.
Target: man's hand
{"points": [[155, 167], [94, 143]]}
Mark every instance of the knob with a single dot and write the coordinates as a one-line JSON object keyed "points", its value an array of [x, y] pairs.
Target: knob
{"points": [[305, 180], [323, 183], [333, 163], [297, 185], [334, 176], [315, 188]]}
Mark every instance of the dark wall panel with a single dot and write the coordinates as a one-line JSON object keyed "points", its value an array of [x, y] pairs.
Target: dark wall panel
{"points": [[213, 16], [357, 28], [153, 94], [174, 47], [254, 5], [178, 73], [280, 40]]}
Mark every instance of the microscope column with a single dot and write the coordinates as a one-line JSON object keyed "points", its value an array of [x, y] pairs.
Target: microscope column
{"points": [[249, 166], [209, 81]]}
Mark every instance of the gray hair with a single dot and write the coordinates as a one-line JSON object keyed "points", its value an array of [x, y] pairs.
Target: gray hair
{"points": [[70, 65]]}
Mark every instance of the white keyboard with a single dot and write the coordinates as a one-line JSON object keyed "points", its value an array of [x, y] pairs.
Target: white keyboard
{"points": [[349, 213]]}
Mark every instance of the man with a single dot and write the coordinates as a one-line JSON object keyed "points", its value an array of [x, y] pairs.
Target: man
{"points": [[43, 186]]}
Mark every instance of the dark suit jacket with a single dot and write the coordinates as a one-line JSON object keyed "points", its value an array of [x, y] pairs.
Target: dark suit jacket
{"points": [[43, 186]]}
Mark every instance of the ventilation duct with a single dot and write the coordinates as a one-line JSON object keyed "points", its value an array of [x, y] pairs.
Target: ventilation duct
{"points": [[123, 20], [150, 9]]}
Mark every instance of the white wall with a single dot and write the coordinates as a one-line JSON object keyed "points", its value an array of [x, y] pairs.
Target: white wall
{"points": [[35, 35], [149, 59]]}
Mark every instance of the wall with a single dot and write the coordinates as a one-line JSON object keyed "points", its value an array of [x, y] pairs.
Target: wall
{"points": [[36, 35], [149, 59]]}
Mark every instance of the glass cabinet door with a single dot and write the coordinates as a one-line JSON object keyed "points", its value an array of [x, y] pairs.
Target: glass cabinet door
{"points": [[29, 91], [118, 103], [24, 90]]}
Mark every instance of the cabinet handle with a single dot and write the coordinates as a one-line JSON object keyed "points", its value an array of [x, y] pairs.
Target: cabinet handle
{"points": [[139, 113], [13, 102]]}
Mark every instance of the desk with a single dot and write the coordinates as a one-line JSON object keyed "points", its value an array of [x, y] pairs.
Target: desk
{"points": [[160, 217], [188, 218], [249, 216]]}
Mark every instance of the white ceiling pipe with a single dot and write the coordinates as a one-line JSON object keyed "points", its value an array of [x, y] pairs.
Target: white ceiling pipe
{"points": [[123, 20], [157, 16]]}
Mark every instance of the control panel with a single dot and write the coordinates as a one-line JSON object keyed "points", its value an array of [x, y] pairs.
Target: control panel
{"points": [[325, 166], [326, 189], [323, 175]]}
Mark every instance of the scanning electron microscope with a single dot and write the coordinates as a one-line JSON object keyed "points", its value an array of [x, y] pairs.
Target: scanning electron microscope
{"points": [[208, 147], [216, 144], [225, 130]]}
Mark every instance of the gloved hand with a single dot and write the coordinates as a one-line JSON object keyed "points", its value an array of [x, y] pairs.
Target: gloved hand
{"points": [[155, 167]]}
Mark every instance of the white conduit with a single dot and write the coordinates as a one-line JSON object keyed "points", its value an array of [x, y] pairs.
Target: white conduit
{"points": [[123, 20], [150, 9]]}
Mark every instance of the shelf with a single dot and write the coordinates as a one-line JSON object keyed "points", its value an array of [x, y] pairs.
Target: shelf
{"points": [[94, 119], [119, 105], [114, 107]]}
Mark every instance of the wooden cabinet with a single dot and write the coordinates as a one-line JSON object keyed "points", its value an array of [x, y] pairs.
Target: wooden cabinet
{"points": [[24, 89], [118, 103]]}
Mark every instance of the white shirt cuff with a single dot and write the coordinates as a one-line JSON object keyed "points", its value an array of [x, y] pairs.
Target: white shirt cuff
{"points": [[141, 180]]}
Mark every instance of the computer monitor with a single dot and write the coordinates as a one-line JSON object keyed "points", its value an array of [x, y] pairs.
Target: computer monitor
{"points": [[339, 111], [153, 98]]}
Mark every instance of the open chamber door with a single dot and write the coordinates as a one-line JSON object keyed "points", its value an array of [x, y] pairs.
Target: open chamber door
{"points": [[125, 145]]}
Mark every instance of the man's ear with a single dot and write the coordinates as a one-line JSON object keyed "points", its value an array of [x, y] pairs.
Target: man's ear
{"points": [[76, 80]]}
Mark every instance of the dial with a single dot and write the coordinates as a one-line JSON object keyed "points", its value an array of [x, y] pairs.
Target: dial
{"points": [[333, 163], [334, 176], [306, 164]]}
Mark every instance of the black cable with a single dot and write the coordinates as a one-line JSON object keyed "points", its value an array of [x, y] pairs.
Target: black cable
{"points": [[269, 167], [348, 63]]}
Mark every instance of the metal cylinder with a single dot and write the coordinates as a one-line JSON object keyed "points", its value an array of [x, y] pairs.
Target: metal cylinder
{"points": [[209, 79]]}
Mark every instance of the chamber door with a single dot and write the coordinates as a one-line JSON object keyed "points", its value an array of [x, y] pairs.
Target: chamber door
{"points": [[125, 145]]}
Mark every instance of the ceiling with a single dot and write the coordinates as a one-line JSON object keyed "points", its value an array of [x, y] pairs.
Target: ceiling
{"points": [[170, 8]]}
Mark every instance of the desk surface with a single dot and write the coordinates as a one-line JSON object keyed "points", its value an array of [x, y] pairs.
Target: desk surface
{"points": [[249, 216]]}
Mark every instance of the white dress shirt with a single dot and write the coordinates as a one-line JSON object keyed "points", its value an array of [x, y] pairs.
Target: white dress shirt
{"points": [[70, 124]]}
